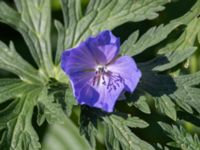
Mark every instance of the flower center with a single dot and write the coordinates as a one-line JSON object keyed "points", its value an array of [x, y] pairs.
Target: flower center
{"points": [[107, 78], [101, 69]]}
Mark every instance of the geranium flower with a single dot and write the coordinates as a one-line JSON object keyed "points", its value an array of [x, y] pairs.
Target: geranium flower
{"points": [[98, 74]]}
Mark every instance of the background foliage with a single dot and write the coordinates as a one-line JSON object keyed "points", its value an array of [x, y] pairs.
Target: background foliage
{"points": [[37, 108]]}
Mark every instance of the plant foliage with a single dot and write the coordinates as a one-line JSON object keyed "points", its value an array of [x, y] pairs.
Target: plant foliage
{"points": [[42, 95]]}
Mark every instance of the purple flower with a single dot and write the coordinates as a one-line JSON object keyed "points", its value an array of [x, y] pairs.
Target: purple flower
{"points": [[97, 73]]}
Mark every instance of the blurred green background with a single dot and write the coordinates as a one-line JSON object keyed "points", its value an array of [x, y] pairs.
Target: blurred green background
{"points": [[61, 137]]}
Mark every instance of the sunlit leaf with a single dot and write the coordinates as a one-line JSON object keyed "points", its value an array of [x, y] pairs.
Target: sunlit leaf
{"points": [[32, 20], [19, 133], [181, 138], [62, 137]]}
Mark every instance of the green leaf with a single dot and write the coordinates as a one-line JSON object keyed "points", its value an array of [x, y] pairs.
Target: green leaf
{"points": [[178, 51], [139, 100], [180, 89], [60, 41], [70, 101], [111, 13], [142, 104], [160, 147], [187, 39], [159, 86], [118, 135], [72, 12], [181, 138], [19, 133], [174, 53], [33, 22], [48, 109], [133, 46], [62, 137], [116, 125], [104, 14], [188, 79], [12, 88], [88, 124], [11, 61], [62, 94], [166, 106], [191, 14], [187, 95], [48, 87], [199, 37], [10, 16], [171, 59], [127, 120]]}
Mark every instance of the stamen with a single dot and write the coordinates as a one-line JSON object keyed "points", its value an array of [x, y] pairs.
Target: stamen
{"points": [[100, 72], [113, 82]]}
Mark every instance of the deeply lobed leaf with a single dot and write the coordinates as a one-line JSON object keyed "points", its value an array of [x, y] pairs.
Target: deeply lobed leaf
{"points": [[32, 20], [181, 138], [11, 61], [19, 133], [119, 135], [48, 109], [101, 15]]}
